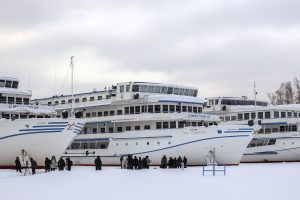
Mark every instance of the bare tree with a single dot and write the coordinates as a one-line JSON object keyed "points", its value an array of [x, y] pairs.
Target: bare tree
{"points": [[297, 90], [286, 94]]}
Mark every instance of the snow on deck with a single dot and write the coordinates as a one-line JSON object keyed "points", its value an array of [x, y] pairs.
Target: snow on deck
{"points": [[247, 181]]}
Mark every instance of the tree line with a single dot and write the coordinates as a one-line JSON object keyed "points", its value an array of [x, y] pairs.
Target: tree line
{"points": [[287, 93]]}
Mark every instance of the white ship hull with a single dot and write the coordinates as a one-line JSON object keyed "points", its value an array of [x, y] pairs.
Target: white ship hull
{"points": [[286, 149], [40, 138], [195, 143]]}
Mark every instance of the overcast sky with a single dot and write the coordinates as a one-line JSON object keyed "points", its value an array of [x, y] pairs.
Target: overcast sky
{"points": [[219, 46]]}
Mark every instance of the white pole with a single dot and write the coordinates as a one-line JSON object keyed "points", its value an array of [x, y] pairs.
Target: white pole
{"points": [[255, 93], [72, 87]]}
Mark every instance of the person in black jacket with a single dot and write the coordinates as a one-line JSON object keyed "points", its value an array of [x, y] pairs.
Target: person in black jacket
{"points": [[135, 162], [121, 162], [61, 164], [18, 165], [98, 163], [184, 162], [33, 165], [69, 163], [47, 165]]}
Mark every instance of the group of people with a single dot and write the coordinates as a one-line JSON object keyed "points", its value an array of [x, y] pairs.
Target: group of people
{"points": [[173, 162], [26, 163], [52, 165], [131, 162]]}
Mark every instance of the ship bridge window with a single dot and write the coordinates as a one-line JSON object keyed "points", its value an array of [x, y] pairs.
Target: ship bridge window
{"points": [[75, 145], [143, 88], [199, 109], [178, 109], [15, 84], [112, 113], [216, 101], [181, 91], [282, 128], [289, 114], [283, 114], [164, 90], [267, 115], [157, 108], [295, 115], [150, 89], [260, 115], [122, 88], [99, 114], [8, 84], [176, 91], [186, 92], [191, 93], [11, 100], [294, 128], [157, 89], [119, 129], [276, 114], [183, 108], [2, 83], [275, 130], [135, 88], [127, 88], [194, 109], [165, 108], [111, 129], [172, 108], [190, 108], [170, 90], [18, 100], [195, 93], [56, 102], [150, 108]]}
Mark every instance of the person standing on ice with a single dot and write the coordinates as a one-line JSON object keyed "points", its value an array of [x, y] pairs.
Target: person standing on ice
{"points": [[18, 165], [47, 165], [69, 163], [53, 163], [148, 161], [98, 163], [33, 165], [179, 162], [61, 164], [121, 162], [184, 162]]}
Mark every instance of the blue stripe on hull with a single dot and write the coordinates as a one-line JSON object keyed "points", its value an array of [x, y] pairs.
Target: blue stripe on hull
{"points": [[40, 129], [28, 133]]}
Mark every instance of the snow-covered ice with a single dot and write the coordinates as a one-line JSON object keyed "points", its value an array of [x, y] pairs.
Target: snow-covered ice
{"points": [[247, 181]]}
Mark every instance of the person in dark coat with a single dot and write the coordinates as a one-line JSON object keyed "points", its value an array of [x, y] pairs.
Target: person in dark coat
{"points": [[144, 163], [175, 163], [171, 162], [121, 161], [61, 164], [47, 165], [135, 162], [164, 162], [69, 163], [18, 165], [179, 162], [98, 163], [33, 165], [130, 162], [140, 163], [184, 162]]}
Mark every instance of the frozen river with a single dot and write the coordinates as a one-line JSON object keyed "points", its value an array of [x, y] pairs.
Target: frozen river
{"points": [[247, 181]]}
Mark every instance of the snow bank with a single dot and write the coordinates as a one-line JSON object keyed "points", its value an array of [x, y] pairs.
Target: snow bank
{"points": [[247, 181]]}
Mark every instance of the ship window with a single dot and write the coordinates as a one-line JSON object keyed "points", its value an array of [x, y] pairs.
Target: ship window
{"points": [[294, 128], [94, 130], [26, 101], [267, 115], [119, 112], [194, 123], [295, 114], [147, 143], [23, 116], [299, 115], [289, 114], [195, 93], [165, 125], [131, 109], [99, 97], [227, 118], [267, 130], [2, 83], [128, 128], [135, 88], [170, 90], [147, 127], [150, 89], [283, 114], [92, 98], [99, 114], [178, 109], [183, 108], [190, 108], [143, 109], [126, 110], [137, 110], [272, 142], [83, 145], [233, 118], [176, 91], [282, 128], [119, 129], [172, 108], [92, 145], [186, 92], [276, 114], [11, 100], [88, 115], [63, 102], [122, 88], [75, 146], [102, 130], [150, 109], [199, 110], [33, 116], [181, 91], [102, 146], [137, 128], [70, 101], [157, 89], [84, 99], [260, 115], [56, 102], [240, 116], [18, 100], [107, 96], [194, 109], [2, 99], [246, 116], [158, 125], [172, 124], [200, 123], [165, 108], [77, 100], [93, 114], [157, 108], [127, 88], [8, 84], [143, 88], [274, 130], [191, 93], [253, 115], [164, 90], [15, 84], [111, 129], [112, 113], [105, 113]]}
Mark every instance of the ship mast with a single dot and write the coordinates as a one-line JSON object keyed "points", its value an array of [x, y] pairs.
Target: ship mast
{"points": [[72, 85]]}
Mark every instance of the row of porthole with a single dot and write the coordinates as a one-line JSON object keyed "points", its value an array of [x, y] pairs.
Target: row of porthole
{"points": [[148, 143]]}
